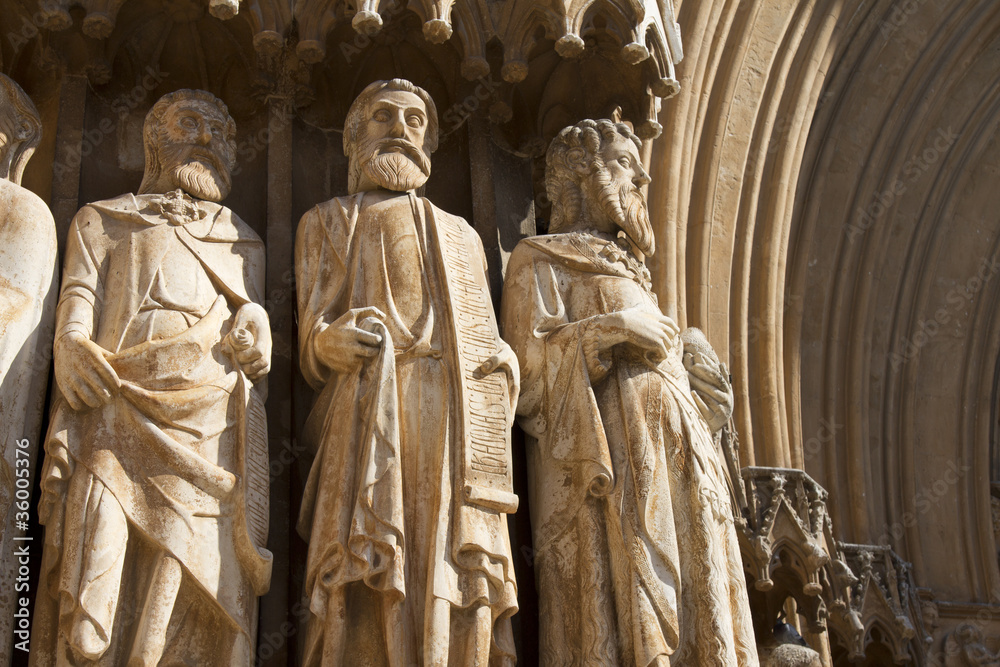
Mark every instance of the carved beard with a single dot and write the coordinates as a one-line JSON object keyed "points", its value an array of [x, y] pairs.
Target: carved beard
{"points": [[200, 181], [198, 174], [400, 171], [624, 204]]}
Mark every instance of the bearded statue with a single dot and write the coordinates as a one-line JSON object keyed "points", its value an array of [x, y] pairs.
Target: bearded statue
{"points": [[405, 507], [636, 553], [154, 488]]}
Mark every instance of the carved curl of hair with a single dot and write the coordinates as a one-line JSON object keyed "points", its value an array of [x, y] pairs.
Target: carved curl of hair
{"points": [[20, 122], [573, 154], [360, 110], [152, 128]]}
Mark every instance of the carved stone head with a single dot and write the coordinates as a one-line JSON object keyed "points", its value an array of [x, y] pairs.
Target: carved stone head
{"points": [[389, 134], [190, 143], [593, 176], [20, 130]]}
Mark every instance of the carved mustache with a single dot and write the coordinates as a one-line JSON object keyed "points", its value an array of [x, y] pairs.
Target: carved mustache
{"points": [[206, 157], [408, 148]]}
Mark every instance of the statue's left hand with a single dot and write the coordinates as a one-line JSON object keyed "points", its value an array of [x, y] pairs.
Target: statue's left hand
{"points": [[712, 393], [255, 360], [505, 360]]}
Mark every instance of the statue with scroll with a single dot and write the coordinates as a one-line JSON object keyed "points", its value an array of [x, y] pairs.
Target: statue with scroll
{"points": [[154, 488], [636, 554], [405, 507], [28, 255]]}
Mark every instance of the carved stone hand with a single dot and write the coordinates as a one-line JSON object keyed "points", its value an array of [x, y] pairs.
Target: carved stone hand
{"points": [[505, 360], [83, 373], [652, 334], [711, 391], [343, 345], [255, 358]]}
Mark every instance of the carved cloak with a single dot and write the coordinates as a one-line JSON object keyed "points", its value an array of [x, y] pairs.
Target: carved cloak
{"points": [[28, 290], [635, 551], [178, 455], [373, 427]]}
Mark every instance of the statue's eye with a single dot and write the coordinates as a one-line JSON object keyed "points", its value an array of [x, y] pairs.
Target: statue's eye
{"points": [[625, 162], [382, 116], [189, 123], [414, 120]]}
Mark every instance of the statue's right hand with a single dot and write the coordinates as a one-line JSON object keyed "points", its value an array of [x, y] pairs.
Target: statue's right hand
{"points": [[653, 334], [344, 345], [83, 373]]}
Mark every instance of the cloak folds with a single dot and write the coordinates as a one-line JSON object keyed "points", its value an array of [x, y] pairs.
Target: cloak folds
{"points": [[636, 555], [176, 460], [28, 292], [405, 504]]}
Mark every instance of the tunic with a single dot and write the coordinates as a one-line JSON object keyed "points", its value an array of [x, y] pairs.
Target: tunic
{"points": [[173, 468]]}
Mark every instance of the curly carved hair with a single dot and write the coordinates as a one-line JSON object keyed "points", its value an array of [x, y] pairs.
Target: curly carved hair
{"points": [[574, 146], [152, 129], [21, 125]]}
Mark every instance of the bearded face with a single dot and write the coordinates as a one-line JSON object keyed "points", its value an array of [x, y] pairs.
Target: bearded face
{"points": [[193, 152], [389, 151], [394, 164], [622, 202]]}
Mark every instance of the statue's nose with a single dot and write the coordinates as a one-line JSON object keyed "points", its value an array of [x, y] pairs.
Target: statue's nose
{"points": [[642, 178], [398, 128], [204, 135]]}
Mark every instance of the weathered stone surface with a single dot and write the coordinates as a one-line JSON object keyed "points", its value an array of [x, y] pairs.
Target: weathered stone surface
{"points": [[405, 506], [968, 646], [823, 198], [636, 555], [790, 655], [27, 308], [155, 478]]}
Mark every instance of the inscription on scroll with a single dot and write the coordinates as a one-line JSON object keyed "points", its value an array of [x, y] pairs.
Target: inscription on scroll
{"points": [[487, 456]]}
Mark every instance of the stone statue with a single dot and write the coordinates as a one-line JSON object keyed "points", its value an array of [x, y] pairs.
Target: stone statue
{"points": [[154, 489], [27, 307], [636, 555], [404, 510]]}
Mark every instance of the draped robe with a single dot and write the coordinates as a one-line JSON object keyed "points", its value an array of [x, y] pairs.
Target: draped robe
{"points": [[28, 289], [636, 555], [173, 470], [409, 558]]}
